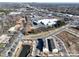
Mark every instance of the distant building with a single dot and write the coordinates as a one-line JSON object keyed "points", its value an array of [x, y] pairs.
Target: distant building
{"points": [[45, 22], [74, 23], [15, 13], [12, 30]]}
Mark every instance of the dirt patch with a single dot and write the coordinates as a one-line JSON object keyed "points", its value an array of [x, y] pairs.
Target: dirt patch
{"points": [[71, 42]]}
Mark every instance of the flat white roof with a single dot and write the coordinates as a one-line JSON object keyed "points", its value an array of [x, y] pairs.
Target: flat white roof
{"points": [[12, 13], [48, 21], [12, 29]]}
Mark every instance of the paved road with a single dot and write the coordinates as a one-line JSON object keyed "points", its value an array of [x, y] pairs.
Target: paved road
{"points": [[48, 33], [72, 32]]}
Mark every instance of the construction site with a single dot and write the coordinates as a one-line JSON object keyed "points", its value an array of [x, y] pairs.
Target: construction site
{"points": [[70, 41], [37, 32]]}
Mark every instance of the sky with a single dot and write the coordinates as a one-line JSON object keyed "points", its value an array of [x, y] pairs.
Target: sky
{"points": [[67, 1]]}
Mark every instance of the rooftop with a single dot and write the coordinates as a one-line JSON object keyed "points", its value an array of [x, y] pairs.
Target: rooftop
{"points": [[14, 13]]}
